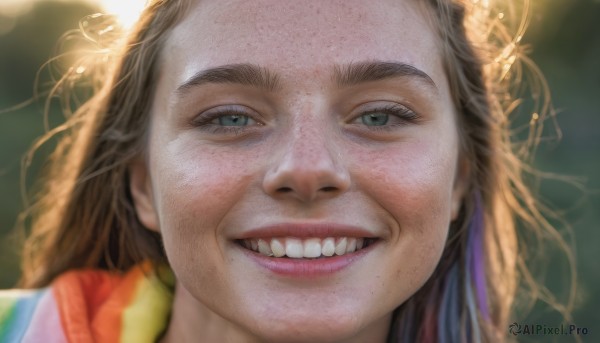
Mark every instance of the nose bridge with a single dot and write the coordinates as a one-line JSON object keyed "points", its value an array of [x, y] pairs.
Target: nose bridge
{"points": [[309, 145], [308, 164]]}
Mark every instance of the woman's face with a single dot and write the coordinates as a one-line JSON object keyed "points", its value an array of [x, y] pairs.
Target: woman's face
{"points": [[308, 126]]}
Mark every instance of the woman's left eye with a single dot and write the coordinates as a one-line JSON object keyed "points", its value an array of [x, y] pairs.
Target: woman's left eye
{"points": [[375, 119], [387, 117]]}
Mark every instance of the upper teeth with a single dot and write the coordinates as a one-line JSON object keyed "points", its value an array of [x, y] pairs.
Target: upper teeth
{"points": [[304, 248]]}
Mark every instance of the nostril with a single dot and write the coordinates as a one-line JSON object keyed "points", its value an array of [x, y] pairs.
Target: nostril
{"points": [[284, 190], [329, 189]]}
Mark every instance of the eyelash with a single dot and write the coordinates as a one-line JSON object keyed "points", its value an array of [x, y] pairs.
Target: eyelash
{"points": [[403, 113], [204, 121]]}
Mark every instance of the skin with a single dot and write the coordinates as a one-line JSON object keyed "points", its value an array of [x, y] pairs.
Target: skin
{"points": [[305, 157]]}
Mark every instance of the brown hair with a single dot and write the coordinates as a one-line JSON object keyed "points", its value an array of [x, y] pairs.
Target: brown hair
{"points": [[484, 63], [84, 214]]}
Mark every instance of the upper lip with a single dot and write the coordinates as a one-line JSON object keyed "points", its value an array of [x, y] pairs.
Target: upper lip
{"points": [[305, 230]]}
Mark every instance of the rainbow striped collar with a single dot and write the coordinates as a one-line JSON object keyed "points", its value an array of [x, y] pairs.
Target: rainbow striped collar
{"points": [[90, 306]]}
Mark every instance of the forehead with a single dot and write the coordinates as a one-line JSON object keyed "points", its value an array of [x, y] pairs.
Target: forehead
{"points": [[300, 36]]}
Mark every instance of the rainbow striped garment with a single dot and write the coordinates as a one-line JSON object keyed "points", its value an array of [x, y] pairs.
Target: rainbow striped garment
{"points": [[90, 306]]}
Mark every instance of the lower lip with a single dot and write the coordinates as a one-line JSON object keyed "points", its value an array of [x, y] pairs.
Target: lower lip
{"points": [[299, 267]]}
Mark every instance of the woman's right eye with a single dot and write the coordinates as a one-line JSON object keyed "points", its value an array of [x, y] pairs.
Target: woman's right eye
{"points": [[225, 121], [232, 120]]}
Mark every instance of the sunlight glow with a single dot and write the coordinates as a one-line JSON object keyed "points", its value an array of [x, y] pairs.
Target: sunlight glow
{"points": [[14, 8], [128, 11]]}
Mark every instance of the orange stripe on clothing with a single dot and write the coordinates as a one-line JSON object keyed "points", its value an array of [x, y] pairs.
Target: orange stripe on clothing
{"points": [[90, 308]]}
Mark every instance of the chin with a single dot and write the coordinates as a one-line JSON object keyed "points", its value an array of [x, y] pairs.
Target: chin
{"points": [[313, 327]]}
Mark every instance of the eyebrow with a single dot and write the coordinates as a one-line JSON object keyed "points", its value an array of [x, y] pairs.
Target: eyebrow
{"points": [[343, 75], [243, 73], [361, 72]]}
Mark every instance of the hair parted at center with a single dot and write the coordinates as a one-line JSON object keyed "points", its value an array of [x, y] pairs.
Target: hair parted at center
{"points": [[83, 216]]}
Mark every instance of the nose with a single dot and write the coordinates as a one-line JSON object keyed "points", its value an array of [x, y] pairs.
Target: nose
{"points": [[308, 167]]}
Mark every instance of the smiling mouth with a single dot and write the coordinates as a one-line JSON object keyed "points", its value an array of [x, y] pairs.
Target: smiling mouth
{"points": [[308, 248]]}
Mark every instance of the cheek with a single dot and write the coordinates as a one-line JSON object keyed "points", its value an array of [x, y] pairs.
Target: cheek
{"points": [[196, 188], [412, 183], [410, 180]]}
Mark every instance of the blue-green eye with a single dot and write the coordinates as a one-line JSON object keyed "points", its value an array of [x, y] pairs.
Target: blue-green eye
{"points": [[227, 120], [375, 119], [388, 117], [232, 120]]}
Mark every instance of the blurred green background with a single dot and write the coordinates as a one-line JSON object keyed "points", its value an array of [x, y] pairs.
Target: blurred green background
{"points": [[565, 40]]}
